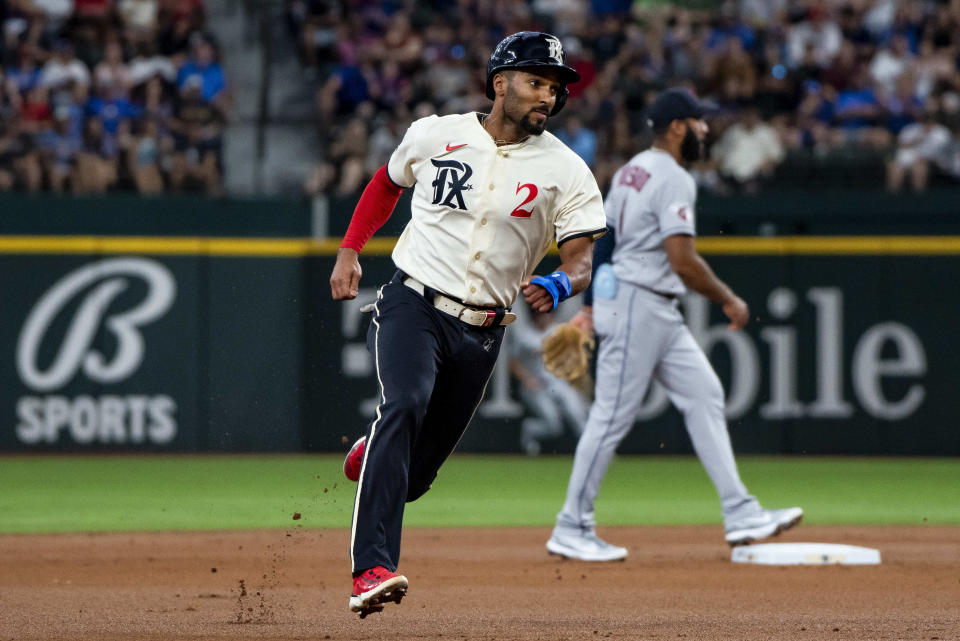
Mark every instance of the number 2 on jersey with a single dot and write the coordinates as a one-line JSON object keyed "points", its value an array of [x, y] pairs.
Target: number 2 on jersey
{"points": [[532, 192]]}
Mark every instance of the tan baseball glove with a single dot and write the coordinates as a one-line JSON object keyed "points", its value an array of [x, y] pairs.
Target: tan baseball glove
{"points": [[566, 352]]}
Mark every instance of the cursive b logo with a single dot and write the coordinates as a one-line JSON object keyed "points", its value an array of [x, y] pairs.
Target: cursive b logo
{"points": [[102, 281]]}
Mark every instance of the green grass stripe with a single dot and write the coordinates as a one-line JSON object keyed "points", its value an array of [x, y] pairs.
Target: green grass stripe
{"points": [[209, 492]]}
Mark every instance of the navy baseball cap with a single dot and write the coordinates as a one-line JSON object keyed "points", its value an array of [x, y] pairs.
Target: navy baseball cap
{"points": [[676, 104]]}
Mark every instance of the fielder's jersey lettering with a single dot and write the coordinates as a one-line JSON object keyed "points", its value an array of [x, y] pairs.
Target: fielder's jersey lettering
{"points": [[635, 177], [652, 197]]}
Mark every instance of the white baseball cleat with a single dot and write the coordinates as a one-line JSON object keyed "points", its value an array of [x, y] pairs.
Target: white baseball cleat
{"points": [[762, 524], [585, 546]]}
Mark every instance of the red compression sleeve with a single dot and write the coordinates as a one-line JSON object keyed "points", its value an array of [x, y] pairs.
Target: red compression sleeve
{"points": [[374, 208]]}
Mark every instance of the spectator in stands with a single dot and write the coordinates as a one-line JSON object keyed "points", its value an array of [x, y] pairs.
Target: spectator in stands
{"points": [[97, 160], [59, 147], [316, 23], [35, 112], [858, 114], [63, 68], [144, 150], [203, 64], [197, 128], [579, 138], [401, 43], [19, 160], [55, 13], [153, 97], [343, 91], [25, 74], [748, 152], [842, 68], [890, 62], [111, 109], [934, 65], [817, 33], [903, 106], [180, 22], [348, 154], [919, 146], [387, 133], [147, 63], [112, 74], [139, 20], [734, 73]]}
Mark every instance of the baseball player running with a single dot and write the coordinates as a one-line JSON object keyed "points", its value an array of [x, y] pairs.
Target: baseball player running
{"points": [[492, 192], [650, 219]]}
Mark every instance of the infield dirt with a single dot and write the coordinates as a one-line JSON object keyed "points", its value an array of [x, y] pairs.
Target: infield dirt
{"points": [[678, 582]]}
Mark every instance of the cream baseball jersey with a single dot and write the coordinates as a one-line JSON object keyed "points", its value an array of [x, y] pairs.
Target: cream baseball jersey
{"points": [[483, 216], [650, 198]]}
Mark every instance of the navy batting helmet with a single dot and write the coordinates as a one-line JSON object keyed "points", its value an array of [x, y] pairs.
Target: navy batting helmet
{"points": [[529, 50]]}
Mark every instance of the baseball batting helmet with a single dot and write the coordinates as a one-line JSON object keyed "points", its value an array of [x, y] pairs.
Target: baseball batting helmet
{"points": [[530, 50]]}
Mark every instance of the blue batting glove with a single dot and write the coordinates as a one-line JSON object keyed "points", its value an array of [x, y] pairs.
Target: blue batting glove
{"points": [[557, 284]]}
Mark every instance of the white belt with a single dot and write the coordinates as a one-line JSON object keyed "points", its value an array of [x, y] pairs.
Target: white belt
{"points": [[469, 315]]}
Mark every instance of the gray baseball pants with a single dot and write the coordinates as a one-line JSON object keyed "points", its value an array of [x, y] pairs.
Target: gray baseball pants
{"points": [[643, 338]]}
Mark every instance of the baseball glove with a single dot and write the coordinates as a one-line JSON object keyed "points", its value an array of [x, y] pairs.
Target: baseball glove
{"points": [[566, 352]]}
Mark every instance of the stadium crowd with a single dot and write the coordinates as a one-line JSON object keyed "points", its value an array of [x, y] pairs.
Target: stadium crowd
{"points": [[103, 95], [868, 83]]}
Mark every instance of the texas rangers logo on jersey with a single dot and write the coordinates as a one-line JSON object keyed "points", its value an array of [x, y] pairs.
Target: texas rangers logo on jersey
{"points": [[450, 183], [556, 49]]}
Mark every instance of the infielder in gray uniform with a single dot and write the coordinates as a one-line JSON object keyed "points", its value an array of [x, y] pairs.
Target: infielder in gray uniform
{"points": [[634, 311]]}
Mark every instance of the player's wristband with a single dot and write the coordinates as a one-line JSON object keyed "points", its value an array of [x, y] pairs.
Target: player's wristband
{"points": [[557, 284]]}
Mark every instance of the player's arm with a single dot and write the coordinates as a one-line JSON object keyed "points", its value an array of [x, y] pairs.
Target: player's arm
{"points": [[696, 274], [543, 293], [602, 254], [373, 209]]}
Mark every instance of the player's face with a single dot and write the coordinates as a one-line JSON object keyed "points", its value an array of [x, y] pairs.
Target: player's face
{"points": [[691, 147], [530, 98]]}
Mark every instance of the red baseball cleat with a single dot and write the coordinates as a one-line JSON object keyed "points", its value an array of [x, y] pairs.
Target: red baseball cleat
{"points": [[374, 588], [354, 460]]}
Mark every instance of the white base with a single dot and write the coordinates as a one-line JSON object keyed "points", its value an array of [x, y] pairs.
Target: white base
{"points": [[805, 554]]}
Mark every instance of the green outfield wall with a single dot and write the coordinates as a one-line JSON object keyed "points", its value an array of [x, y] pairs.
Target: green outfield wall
{"points": [[191, 325]]}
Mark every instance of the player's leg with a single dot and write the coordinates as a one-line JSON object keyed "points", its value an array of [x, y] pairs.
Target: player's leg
{"points": [[544, 421], [460, 383], [696, 391], [406, 350], [629, 327], [694, 388], [574, 406]]}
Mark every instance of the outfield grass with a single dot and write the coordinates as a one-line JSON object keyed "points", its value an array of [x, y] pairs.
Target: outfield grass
{"points": [[117, 493]]}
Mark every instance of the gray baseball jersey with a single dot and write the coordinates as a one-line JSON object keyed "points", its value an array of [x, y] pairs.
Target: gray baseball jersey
{"points": [[643, 338], [650, 198]]}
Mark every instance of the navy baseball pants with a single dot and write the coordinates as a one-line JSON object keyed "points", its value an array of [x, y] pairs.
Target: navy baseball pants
{"points": [[432, 369]]}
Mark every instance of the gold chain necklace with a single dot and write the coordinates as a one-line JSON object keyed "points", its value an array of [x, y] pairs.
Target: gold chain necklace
{"points": [[498, 142]]}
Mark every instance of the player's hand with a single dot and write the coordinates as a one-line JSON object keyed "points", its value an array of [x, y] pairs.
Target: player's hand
{"points": [[536, 296], [345, 279], [738, 312], [584, 319]]}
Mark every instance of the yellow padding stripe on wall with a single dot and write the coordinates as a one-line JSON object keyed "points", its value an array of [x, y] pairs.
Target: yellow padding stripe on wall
{"points": [[293, 247]]}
